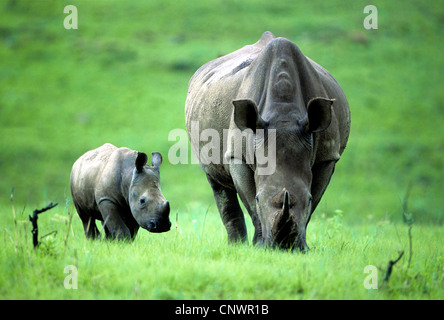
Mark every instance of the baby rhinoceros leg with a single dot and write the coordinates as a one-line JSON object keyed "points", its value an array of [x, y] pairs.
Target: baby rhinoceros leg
{"points": [[115, 227]]}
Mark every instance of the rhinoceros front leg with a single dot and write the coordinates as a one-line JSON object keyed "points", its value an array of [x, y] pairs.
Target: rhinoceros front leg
{"points": [[230, 211], [243, 178], [322, 173], [90, 227], [113, 224]]}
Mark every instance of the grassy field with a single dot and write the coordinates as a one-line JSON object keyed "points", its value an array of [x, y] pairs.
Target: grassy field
{"points": [[122, 78], [193, 261]]}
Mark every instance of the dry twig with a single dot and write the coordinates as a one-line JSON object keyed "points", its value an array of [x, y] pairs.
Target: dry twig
{"points": [[390, 267], [35, 228]]}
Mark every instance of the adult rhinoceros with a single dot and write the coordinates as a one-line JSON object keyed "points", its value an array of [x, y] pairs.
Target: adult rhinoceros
{"points": [[295, 110]]}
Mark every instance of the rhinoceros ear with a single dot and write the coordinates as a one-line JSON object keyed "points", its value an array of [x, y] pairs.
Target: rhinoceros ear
{"points": [[319, 114], [141, 160], [246, 115], [156, 159]]}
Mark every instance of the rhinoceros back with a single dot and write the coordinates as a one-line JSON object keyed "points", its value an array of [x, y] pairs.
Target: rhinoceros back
{"points": [[86, 173], [246, 73], [210, 93]]}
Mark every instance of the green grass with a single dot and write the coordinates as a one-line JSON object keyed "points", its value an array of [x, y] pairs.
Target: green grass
{"points": [[193, 261], [122, 78]]}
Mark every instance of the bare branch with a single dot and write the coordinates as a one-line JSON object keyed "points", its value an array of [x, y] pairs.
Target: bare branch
{"points": [[390, 267], [409, 220], [33, 219]]}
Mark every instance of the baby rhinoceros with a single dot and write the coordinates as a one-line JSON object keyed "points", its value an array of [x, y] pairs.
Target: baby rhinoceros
{"points": [[114, 185]]}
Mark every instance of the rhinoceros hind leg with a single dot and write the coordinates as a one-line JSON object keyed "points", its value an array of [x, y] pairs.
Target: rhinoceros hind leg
{"points": [[230, 211], [89, 223]]}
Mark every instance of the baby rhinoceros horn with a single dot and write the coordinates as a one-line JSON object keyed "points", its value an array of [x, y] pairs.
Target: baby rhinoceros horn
{"points": [[164, 209]]}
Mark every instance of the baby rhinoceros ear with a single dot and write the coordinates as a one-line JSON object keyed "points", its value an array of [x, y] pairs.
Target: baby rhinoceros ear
{"points": [[141, 160], [156, 160]]}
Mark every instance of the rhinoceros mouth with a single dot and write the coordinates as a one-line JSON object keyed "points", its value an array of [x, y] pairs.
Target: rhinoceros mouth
{"points": [[161, 223], [158, 226]]}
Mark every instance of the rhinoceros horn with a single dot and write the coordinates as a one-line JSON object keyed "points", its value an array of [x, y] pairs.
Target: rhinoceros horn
{"points": [[280, 224], [288, 235], [286, 207], [164, 209]]}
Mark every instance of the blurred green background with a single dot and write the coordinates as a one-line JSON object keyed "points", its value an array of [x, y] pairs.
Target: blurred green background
{"points": [[122, 78]]}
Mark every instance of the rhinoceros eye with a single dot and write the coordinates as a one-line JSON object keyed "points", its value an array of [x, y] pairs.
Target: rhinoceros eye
{"points": [[142, 202]]}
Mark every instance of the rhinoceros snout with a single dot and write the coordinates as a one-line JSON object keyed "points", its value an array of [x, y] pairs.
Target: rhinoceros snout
{"points": [[162, 222], [158, 225]]}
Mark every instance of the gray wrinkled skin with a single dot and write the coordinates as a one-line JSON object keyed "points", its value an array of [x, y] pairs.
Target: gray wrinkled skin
{"points": [[270, 85], [114, 185]]}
